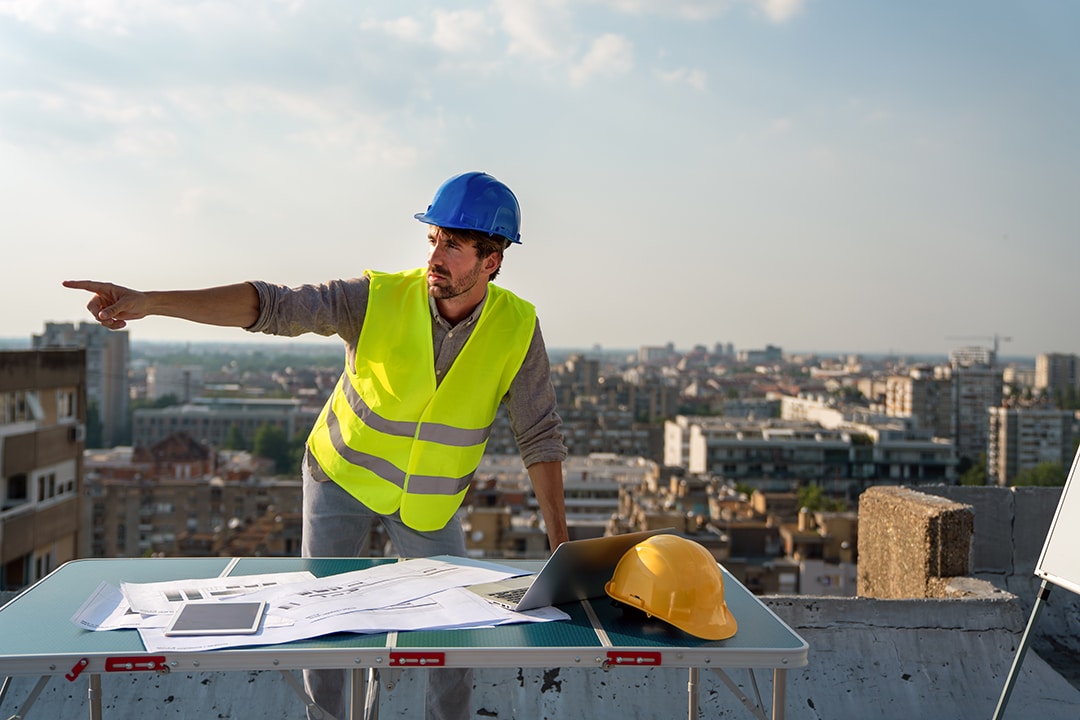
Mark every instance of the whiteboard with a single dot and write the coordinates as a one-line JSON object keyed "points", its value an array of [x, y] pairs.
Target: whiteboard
{"points": [[1059, 562]]}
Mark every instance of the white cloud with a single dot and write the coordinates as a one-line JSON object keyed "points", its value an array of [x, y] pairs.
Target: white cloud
{"points": [[780, 10], [322, 123], [98, 122], [368, 140], [90, 120], [868, 112], [689, 9], [191, 202], [609, 55], [774, 10], [41, 14], [694, 77], [459, 30], [781, 126], [403, 28], [114, 17], [532, 27]]}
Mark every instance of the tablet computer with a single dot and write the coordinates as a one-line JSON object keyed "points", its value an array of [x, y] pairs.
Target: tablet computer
{"points": [[216, 618]]}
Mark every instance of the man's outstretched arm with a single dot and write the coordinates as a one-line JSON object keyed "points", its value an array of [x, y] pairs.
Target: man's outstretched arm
{"points": [[227, 305]]}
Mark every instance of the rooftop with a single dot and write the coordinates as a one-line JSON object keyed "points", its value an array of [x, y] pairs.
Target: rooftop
{"points": [[944, 656]]}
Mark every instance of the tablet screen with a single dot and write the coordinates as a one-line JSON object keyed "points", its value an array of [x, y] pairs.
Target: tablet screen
{"points": [[216, 618]]}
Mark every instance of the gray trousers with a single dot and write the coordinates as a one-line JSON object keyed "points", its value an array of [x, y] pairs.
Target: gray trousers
{"points": [[337, 525]]}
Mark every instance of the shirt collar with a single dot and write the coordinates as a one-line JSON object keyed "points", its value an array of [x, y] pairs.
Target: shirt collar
{"points": [[467, 322]]}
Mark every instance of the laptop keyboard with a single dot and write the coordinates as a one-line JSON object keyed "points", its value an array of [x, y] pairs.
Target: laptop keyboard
{"points": [[510, 595]]}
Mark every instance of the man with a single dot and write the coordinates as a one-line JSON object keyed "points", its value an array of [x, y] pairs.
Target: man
{"points": [[430, 354]]}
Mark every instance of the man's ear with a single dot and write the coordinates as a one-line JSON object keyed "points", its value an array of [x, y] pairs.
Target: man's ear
{"points": [[491, 263]]}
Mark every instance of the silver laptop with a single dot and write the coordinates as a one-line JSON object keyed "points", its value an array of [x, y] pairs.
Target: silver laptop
{"points": [[577, 570]]}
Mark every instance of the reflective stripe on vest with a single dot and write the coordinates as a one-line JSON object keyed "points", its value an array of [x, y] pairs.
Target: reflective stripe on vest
{"points": [[393, 437], [445, 434]]}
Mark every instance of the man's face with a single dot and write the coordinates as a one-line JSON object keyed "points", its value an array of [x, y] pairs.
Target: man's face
{"points": [[453, 268]]}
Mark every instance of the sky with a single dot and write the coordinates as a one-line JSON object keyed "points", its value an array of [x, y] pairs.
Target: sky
{"points": [[821, 175]]}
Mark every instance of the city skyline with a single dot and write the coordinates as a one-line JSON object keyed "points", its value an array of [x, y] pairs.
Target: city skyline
{"points": [[825, 177], [314, 344]]}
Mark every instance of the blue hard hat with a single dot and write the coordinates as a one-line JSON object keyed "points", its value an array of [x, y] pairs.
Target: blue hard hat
{"points": [[475, 201]]}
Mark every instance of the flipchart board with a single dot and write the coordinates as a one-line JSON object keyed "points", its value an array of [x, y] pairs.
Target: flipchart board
{"points": [[1059, 562]]}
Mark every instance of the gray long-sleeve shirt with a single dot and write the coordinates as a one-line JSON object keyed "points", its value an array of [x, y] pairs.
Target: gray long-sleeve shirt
{"points": [[338, 307]]}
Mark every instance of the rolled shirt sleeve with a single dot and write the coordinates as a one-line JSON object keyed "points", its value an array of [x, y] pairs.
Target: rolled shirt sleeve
{"points": [[336, 307], [530, 405]]}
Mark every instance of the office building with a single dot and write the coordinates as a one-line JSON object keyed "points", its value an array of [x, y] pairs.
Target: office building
{"points": [[209, 420], [183, 382]]}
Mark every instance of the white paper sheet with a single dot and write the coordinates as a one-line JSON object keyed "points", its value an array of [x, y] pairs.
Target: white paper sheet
{"points": [[376, 587], [107, 609], [426, 593], [454, 608], [164, 597]]}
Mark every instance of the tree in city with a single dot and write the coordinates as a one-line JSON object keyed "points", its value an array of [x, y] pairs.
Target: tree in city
{"points": [[270, 442], [974, 473], [234, 438], [813, 498], [1045, 474]]}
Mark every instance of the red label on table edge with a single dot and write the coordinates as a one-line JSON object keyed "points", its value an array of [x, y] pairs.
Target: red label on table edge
{"points": [[135, 662], [635, 659], [417, 659]]}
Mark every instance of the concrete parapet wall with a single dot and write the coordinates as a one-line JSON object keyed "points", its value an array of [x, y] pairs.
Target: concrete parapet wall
{"points": [[1033, 511], [921, 658], [1011, 525], [910, 543]]}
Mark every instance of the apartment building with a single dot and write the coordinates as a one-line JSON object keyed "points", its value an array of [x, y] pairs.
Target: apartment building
{"points": [[973, 355], [591, 486], [776, 450], [1056, 373], [900, 454], [1022, 438], [974, 389], [178, 497], [769, 356], [923, 397], [108, 393], [777, 454], [42, 431]]}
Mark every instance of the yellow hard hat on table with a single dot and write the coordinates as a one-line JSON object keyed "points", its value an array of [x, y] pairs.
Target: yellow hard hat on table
{"points": [[676, 580]]}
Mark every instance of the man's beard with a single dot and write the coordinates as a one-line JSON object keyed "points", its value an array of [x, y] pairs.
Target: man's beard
{"points": [[453, 286]]}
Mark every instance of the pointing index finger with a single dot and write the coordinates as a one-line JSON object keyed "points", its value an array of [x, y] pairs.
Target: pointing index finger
{"points": [[91, 285]]}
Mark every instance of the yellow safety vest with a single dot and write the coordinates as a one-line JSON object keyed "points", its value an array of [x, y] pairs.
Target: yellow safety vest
{"points": [[389, 434]]}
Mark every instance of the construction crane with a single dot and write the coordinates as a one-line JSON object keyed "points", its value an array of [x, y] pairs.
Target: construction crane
{"points": [[995, 338]]}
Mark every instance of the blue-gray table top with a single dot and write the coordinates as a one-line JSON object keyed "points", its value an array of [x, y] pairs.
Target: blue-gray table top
{"points": [[38, 637]]}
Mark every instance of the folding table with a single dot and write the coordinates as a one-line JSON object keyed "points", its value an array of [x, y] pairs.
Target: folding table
{"points": [[38, 639]]}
